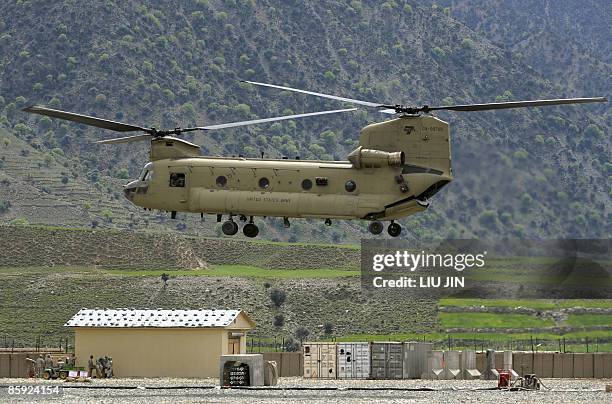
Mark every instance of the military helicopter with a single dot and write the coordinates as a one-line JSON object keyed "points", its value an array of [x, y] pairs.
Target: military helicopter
{"points": [[397, 167]]}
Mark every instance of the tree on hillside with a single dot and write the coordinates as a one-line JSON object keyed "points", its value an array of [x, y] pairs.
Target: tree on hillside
{"points": [[279, 320], [278, 297], [301, 333]]}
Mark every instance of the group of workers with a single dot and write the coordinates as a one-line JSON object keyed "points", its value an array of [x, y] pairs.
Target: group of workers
{"points": [[37, 367], [103, 366]]}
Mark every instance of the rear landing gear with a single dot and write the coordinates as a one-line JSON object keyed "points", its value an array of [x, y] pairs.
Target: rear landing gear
{"points": [[229, 228], [376, 227], [250, 230], [394, 229]]}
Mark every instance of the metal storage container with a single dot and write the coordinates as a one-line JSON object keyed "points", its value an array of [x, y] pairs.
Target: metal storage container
{"points": [[387, 360], [415, 359], [319, 360], [353, 360]]}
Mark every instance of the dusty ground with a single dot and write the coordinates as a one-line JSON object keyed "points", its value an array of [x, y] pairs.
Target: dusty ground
{"points": [[299, 390]]}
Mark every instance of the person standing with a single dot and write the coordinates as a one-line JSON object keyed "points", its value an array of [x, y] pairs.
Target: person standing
{"points": [[48, 362], [91, 366], [31, 366], [40, 365]]}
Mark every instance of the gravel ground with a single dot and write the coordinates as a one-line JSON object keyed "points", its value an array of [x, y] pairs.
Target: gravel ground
{"points": [[298, 390]]}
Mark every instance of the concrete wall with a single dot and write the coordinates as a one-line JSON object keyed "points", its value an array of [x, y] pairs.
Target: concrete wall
{"points": [[557, 365], [289, 364], [155, 352]]}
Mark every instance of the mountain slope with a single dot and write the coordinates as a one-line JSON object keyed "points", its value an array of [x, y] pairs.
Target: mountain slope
{"points": [[536, 173]]}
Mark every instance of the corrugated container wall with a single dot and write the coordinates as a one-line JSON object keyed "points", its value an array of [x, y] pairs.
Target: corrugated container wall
{"points": [[387, 360], [319, 360], [415, 359], [353, 360]]}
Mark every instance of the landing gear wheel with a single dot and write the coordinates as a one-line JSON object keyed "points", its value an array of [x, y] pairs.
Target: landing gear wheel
{"points": [[47, 375], [250, 230], [394, 229], [229, 228], [376, 227]]}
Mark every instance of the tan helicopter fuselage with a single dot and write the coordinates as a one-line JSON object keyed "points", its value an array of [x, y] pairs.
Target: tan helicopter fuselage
{"points": [[399, 164]]}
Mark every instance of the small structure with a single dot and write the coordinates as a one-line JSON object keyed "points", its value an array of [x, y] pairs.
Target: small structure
{"points": [[387, 360], [353, 360], [320, 360], [160, 343], [241, 370]]}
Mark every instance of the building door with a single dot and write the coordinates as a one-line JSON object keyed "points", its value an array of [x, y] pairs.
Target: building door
{"points": [[233, 346]]}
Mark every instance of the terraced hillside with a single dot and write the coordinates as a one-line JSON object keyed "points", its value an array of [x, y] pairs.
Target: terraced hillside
{"points": [[42, 246], [47, 274]]}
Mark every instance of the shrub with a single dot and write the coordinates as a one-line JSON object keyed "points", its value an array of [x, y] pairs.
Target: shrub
{"points": [[279, 320], [301, 333], [277, 297]]}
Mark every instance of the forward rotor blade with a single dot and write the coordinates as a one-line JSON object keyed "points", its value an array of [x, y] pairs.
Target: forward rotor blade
{"points": [[125, 139], [331, 97], [515, 104], [87, 120], [278, 118]]}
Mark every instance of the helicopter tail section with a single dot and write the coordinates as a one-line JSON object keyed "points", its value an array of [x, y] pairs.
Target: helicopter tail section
{"points": [[424, 140]]}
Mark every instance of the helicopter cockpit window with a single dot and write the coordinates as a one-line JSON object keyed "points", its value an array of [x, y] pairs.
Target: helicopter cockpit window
{"points": [[264, 183], [177, 180]]}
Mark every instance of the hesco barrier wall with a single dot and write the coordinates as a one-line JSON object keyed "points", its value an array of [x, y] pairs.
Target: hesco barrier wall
{"points": [[14, 364], [289, 364]]}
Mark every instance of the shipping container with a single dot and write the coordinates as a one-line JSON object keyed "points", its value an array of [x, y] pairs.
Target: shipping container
{"points": [[415, 359], [319, 360], [387, 360], [353, 360]]}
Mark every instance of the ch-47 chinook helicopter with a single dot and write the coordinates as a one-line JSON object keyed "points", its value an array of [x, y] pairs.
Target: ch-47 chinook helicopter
{"points": [[397, 167]]}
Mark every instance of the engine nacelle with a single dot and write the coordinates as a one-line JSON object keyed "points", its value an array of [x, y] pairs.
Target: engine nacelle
{"points": [[369, 158]]}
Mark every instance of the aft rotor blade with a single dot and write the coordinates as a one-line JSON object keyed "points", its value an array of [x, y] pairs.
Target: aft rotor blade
{"points": [[515, 104], [125, 139], [331, 97], [278, 118], [87, 120]]}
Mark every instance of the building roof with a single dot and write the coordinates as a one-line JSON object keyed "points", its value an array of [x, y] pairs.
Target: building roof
{"points": [[131, 318]]}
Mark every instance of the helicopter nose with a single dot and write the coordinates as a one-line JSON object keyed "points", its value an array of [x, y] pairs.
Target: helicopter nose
{"points": [[128, 191]]}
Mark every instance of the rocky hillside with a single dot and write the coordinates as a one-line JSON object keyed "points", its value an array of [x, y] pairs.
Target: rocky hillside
{"points": [[528, 173], [27, 246]]}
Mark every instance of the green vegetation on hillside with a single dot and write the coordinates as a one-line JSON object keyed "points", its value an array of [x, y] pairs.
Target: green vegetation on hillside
{"points": [[543, 304], [517, 171], [489, 320]]}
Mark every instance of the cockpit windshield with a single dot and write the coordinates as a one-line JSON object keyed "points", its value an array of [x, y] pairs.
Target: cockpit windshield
{"points": [[147, 172]]}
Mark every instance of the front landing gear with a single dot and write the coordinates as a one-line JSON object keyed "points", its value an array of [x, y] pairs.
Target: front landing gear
{"points": [[376, 227], [394, 229]]}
